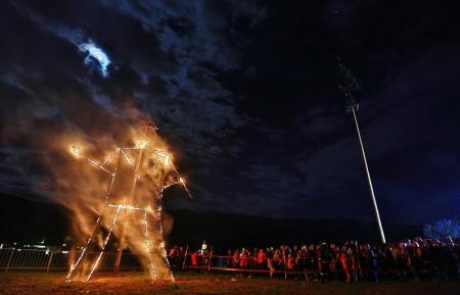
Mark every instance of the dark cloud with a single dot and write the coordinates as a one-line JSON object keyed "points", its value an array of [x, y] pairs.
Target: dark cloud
{"points": [[246, 93], [166, 59]]}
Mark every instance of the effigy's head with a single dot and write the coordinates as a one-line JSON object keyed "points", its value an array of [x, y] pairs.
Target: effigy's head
{"points": [[111, 174]]}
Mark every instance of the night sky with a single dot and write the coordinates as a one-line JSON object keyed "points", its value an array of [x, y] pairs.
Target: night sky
{"points": [[246, 94]]}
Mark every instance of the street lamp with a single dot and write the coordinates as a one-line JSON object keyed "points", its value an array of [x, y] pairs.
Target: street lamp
{"points": [[350, 84]]}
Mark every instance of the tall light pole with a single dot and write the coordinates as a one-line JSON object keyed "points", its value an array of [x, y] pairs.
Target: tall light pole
{"points": [[350, 84]]}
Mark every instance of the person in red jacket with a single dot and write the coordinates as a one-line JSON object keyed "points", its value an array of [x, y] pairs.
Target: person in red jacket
{"points": [[290, 262], [261, 257], [244, 258], [194, 258], [344, 262], [172, 251]]}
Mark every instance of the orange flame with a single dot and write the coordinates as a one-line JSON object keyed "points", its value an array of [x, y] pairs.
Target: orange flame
{"points": [[130, 176]]}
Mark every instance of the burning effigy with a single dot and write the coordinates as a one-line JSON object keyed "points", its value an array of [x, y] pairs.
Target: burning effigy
{"points": [[113, 188]]}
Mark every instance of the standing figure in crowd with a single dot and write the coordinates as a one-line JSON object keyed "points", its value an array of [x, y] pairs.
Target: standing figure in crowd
{"points": [[270, 264], [345, 263], [261, 258]]}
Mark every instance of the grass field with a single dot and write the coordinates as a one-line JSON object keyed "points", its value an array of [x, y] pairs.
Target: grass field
{"points": [[132, 283]]}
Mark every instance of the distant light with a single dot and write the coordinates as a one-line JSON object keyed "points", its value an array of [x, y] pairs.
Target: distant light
{"points": [[96, 54], [39, 246]]}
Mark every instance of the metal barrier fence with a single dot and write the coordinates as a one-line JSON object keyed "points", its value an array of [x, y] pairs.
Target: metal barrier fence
{"points": [[12, 259], [48, 260], [220, 263]]}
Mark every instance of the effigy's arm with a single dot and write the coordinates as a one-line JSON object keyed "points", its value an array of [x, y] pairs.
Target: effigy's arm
{"points": [[167, 162], [75, 149]]}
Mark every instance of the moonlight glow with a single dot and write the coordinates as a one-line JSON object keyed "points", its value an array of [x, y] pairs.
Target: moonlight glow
{"points": [[95, 54]]}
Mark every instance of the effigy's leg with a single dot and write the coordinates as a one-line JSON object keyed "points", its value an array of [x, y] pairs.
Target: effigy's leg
{"points": [[75, 265], [159, 252], [106, 241], [148, 242]]}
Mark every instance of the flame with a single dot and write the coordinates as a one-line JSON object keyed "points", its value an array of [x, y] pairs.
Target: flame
{"points": [[165, 157], [142, 141], [113, 189]]}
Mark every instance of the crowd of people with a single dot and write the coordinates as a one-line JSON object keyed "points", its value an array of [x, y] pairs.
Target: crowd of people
{"points": [[351, 261]]}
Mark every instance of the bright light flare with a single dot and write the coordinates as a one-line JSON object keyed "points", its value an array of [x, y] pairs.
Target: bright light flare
{"points": [[75, 150], [141, 143]]}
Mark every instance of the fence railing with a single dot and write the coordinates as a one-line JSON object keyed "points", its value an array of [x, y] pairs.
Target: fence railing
{"points": [[220, 263], [48, 260], [12, 259]]}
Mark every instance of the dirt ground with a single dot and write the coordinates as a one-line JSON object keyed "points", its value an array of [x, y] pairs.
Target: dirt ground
{"points": [[133, 283]]}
